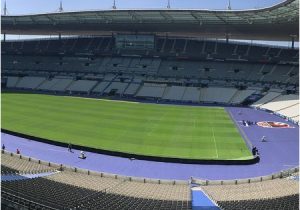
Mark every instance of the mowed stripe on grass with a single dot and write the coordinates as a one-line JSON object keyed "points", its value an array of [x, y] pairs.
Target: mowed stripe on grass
{"points": [[137, 128]]}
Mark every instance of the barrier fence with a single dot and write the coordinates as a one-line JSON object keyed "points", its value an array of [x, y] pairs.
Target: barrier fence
{"points": [[61, 167]]}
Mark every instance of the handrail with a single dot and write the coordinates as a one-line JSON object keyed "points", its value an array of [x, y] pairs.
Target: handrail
{"points": [[281, 174], [62, 167]]}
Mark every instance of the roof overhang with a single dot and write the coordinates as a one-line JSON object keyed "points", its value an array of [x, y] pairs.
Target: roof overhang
{"points": [[278, 22]]}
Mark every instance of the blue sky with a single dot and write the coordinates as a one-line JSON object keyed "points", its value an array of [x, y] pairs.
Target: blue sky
{"points": [[40, 6]]}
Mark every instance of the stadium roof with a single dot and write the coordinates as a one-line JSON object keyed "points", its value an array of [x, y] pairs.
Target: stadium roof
{"points": [[278, 22]]}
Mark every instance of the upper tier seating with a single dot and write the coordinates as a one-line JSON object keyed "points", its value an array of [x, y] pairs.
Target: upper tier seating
{"points": [[207, 69], [164, 46]]}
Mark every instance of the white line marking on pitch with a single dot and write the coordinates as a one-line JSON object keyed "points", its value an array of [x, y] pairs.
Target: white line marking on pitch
{"points": [[215, 141]]}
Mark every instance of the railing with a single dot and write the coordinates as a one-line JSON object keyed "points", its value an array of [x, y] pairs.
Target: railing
{"points": [[61, 167], [281, 174]]}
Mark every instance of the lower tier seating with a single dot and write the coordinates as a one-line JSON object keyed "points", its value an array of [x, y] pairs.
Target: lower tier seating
{"points": [[283, 203], [77, 190]]}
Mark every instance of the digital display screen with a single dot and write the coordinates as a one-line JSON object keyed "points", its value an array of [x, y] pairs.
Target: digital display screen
{"points": [[137, 42]]}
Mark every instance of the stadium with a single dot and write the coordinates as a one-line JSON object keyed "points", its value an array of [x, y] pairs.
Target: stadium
{"points": [[151, 109]]}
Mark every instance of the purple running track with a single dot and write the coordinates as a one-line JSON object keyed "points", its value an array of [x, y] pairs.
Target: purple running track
{"points": [[280, 152]]}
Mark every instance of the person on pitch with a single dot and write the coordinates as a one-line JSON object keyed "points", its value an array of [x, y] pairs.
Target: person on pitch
{"points": [[82, 155], [253, 151], [70, 147]]}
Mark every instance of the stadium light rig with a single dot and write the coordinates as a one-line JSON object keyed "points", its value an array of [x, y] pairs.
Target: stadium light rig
{"points": [[229, 5], [4, 13], [60, 9], [4, 9], [114, 5], [168, 5]]}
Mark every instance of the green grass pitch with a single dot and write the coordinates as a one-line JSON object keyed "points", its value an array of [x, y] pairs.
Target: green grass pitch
{"points": [[147, 129]]}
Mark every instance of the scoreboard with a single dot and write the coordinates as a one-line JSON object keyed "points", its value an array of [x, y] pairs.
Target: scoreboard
{"points": [[136, 42]]}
